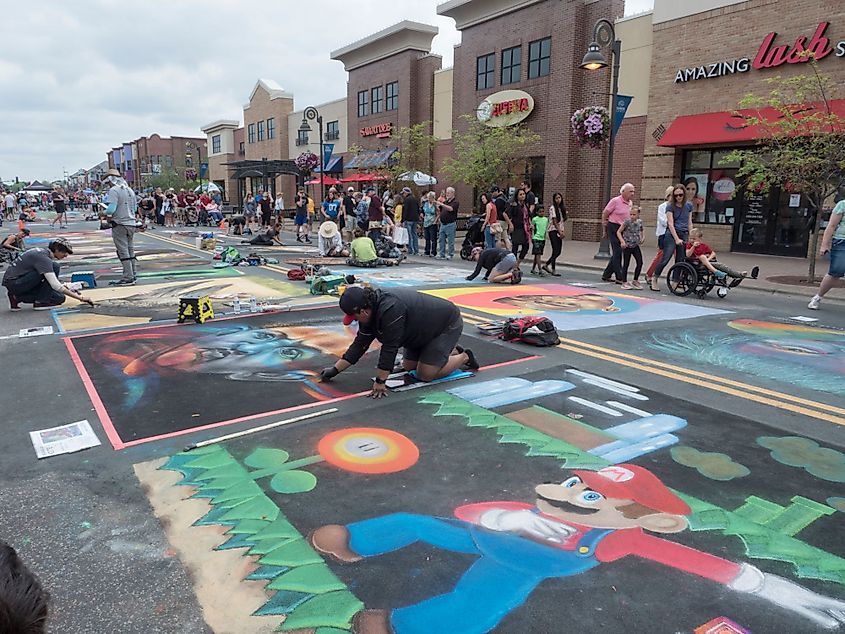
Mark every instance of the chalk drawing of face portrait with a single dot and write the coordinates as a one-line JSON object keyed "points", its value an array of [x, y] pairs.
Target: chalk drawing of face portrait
{"points": [[587, 302]]}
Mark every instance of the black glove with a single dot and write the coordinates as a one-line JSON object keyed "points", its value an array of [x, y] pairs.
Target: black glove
{"points": [[327, 374]]}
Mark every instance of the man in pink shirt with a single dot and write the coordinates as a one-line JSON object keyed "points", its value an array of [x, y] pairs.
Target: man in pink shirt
{"points": [[618, 210]]}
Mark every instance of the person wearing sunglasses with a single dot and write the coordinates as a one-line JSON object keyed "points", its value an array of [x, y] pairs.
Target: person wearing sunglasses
{"points": [[678, 225]]}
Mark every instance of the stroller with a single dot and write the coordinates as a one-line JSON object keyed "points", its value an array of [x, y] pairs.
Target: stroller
{"points": [[474, 237]]}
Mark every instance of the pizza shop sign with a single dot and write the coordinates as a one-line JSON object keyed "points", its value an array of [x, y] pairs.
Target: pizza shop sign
{"points": [[770, 54], [504, 108]]}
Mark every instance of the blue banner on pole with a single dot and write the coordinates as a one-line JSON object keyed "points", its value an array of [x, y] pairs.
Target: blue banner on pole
{"points": [[203, 170], [619, 110], [328, 148]]}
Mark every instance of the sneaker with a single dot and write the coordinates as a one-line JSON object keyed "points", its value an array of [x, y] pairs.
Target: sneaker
{"points": [[637, 286], [755, 272], [814, 303], [627, 287], [122, 282], [13, 301], [472, 363]]}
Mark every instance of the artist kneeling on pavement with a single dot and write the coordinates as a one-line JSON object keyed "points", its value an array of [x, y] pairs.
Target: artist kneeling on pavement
{"points": [[427, 327], [499, 265], [34, 278]]}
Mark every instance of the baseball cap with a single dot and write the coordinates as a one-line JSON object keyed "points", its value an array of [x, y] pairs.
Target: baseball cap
{"points": [[631, 482], [406, 190], [350, 189], [61, 242], [351, 302], [495, 188]]}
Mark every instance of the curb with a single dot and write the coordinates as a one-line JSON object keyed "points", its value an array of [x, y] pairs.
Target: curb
{"points": [[768, 291]]}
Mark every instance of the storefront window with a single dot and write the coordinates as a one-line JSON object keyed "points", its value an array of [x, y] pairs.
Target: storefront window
{"points": [[710, 187], [485, 69], [511, 65]]}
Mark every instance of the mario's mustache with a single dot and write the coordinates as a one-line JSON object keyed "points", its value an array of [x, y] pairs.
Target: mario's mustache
{"points": [[567, 506]]}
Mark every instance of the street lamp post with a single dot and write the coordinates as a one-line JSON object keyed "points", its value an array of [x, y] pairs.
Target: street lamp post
{"points": [[313, 114], [603, 35], [189, 144]]}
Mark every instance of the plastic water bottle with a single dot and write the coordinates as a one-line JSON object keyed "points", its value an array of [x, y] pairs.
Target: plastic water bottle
{"points": [[253, 305], [237, 305]]}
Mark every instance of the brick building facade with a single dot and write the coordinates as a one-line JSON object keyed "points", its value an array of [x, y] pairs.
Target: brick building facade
{"points": [[688, 117]]}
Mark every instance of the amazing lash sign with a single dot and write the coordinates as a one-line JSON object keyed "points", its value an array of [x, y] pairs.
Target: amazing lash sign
{"points": [[770, 54]]}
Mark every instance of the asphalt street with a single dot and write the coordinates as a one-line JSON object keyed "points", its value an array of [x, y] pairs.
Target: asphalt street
{"points": [[736, 370]]}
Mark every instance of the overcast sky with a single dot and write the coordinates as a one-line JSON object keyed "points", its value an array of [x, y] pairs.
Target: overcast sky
{"points": [[82, 77]]}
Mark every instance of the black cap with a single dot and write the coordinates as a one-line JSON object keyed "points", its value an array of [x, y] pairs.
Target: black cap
{"points": [[352, 300], [495, 188]]}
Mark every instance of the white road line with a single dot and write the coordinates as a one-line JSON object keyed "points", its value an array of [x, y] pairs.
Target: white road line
{"points": [[628, 408], [612, 388], [595, 406], [595, 377]]}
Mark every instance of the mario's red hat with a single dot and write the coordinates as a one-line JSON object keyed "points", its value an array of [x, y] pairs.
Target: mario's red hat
{"points": [[631, 482]]}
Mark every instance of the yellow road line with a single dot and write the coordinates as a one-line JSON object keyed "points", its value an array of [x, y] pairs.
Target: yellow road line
{"points": [[741, 393], [705, 376]]}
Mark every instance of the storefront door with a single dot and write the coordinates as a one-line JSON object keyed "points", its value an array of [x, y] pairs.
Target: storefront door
{"points": [[776, 223]]}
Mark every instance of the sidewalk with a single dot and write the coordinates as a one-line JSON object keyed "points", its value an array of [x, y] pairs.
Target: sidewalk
{"points": [[773, 269]]}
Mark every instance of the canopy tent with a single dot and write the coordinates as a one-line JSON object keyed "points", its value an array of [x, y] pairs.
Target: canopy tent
{"points": [[418, 178], [327, 180], [208, 187], [363, 178], [35, 186]]}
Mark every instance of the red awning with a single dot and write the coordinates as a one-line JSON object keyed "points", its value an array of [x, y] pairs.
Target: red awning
{"points": [[362, 178], [729, 128], [327, 180]]}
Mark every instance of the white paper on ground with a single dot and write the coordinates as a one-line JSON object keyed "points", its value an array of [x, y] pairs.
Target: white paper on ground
{"points": [[34, 332], [63, 439], [798, 318]]}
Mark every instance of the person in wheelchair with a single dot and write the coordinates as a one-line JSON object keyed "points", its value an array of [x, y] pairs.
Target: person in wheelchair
{"points": [[700, 254]]}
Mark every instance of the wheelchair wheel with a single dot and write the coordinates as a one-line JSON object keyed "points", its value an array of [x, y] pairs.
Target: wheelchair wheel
{"points": [[722, 292], [682, 279]]}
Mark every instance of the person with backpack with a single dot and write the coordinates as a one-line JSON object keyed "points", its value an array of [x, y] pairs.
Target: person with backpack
{"points": [[426, 327]]}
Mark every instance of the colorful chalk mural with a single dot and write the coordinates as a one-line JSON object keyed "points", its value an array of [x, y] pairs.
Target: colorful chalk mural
{"points": [[124, 305], [570, 307], [806, 356], [199, 375], [523, 505]]}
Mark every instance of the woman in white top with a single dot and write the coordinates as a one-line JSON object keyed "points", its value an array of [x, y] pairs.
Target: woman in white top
{"points": [[660, 233], [279, 209]]}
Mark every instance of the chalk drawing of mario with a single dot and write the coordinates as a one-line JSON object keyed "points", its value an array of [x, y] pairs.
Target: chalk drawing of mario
{"points": [[594, 517]]}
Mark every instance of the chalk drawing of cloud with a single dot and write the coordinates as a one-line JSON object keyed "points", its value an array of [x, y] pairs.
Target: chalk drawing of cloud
{"points": [[716, 466], [824, 463]]}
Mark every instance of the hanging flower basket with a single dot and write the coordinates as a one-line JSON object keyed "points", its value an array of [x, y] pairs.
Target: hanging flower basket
{"points": [[591, 125], [307, 161]]}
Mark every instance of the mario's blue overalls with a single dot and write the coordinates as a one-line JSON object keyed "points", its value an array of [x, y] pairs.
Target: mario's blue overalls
{"points": [[507, 571]]}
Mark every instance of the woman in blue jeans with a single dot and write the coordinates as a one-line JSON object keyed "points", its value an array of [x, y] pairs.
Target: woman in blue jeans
{"points": [[678, 225], [491, 217]]}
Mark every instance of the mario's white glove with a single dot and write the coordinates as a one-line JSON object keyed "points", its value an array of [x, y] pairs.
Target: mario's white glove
{"points": [[827, 612], [526, 523]]}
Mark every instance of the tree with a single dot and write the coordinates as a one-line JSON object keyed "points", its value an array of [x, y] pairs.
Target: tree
{"points": [[415, 152], [167, 179], [801, 148], [485, 155]]}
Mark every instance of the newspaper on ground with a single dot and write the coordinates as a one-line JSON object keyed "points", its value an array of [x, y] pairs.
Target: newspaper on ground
{"points": [[35, 332], [63, 439]]}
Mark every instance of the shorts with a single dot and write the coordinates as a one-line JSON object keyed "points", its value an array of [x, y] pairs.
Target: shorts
{"points": [[300, 219], [538, 246], [351, 223], [438, 350], [837, 258], [506, 265]]}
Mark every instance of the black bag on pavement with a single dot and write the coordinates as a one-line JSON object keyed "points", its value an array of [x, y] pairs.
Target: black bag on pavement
{"points": [[535, 331]]}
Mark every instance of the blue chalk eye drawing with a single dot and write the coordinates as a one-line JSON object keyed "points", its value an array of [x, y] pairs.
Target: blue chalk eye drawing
{"points": [[571, 482], [589, 497]]}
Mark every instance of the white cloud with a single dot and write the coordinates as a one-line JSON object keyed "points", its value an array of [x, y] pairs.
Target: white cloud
{"points": [[82, 77]]}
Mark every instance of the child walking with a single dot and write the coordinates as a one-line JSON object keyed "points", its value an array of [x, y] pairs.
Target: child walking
{"points": [[540, 223], [630, 236]]}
